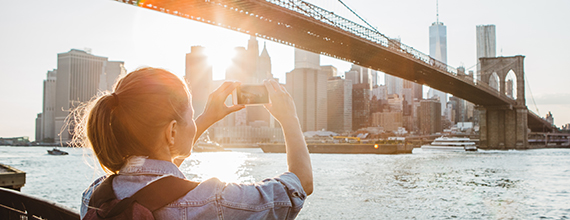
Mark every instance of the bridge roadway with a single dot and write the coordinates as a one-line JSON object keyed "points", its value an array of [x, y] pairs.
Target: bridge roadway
{"points": [[309, 27]]}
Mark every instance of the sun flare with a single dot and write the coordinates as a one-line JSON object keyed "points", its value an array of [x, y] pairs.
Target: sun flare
{"points": [[220, 58]]}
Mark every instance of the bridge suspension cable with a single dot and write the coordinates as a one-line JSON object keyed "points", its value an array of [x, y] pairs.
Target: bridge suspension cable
{"points": [[362, 19], [531, 96]]}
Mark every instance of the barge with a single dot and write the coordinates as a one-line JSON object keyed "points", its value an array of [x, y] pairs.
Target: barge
{"points": [[344, 148]]}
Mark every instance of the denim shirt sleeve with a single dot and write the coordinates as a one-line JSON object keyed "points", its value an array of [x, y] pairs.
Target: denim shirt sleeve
{"points": [[86, 196], [281, 197]]}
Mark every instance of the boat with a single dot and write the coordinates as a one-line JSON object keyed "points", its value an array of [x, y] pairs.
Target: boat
{"points": [[451, 144], [56, 151], [207, 146], [345, 148]]}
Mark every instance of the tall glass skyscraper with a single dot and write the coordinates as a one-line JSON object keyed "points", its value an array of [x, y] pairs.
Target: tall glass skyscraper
{"points": [[438, 50]]}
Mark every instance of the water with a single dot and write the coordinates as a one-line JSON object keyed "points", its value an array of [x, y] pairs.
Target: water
{"points": [[528, 184]]}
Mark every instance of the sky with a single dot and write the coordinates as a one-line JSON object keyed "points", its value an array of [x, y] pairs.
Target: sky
{"points": [[33, 32]]}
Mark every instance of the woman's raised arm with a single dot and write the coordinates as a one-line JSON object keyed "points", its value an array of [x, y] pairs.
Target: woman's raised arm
{"points": [[282, 108]]}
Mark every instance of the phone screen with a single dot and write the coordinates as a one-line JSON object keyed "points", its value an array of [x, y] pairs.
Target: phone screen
{"points": [[251, 95]]}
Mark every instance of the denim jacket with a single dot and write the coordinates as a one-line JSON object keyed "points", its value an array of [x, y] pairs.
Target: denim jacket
{"points": [[281, 197]]}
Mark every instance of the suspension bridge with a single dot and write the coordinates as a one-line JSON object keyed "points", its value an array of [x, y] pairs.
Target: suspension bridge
{"points": [[504, 121]]}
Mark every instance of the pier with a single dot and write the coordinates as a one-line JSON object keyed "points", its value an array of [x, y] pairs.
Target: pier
{"points": [[11, 178]]}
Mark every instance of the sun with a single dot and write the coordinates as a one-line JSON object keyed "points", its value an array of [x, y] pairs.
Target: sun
{"points": [[220, 58]]}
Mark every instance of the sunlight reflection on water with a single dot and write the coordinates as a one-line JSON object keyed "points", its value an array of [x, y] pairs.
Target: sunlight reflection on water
{"points": [[423, 185], [226, 166]]}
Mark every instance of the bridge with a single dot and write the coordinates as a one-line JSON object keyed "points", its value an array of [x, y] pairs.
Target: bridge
{"points": [[503, 120]]}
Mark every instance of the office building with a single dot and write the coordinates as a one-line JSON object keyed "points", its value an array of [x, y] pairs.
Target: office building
{"points": [[389, 121], [199, 77], [78, 81], [361, 75], [394, 85], [430, 116], [113, 70], [486, 44], [360, 106], [438, 50], [339, 105], [47, 133], [308, 87], [39, 127], [307, 60]]}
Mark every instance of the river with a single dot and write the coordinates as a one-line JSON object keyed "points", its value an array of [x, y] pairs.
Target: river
{"points": [[528, 184]]}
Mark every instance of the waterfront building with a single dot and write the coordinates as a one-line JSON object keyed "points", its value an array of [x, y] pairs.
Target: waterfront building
{"points": [[47, 131], [339, 105], [199, 77], [388, 120], [430, 116], [78, 81], [360, 106], [39, 127], [486, 44]]}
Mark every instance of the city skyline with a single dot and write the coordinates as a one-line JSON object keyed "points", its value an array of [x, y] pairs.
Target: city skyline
{"points": [[32, 44]]}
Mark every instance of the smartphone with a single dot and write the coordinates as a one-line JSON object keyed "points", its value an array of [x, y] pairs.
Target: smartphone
{"points": [[251, 94]]}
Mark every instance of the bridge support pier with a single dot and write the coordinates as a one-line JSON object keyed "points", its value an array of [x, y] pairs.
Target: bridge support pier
{"points": [[503, 127]]}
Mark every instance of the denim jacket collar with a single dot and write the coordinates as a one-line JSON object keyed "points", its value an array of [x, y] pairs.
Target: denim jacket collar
{"points": [[137, 165]]}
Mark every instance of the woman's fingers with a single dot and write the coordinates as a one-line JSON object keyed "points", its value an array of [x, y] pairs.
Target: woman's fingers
{"points": [[230, 88]]}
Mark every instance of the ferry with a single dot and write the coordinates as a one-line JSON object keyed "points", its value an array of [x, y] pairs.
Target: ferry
{"points": [[452, 144]]}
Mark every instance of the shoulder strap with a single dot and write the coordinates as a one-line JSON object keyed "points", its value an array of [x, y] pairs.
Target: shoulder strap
{"points": [[156, 195], [103, 193]]}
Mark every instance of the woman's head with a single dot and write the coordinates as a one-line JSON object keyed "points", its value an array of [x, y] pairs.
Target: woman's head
{"points": [[148, 112]]}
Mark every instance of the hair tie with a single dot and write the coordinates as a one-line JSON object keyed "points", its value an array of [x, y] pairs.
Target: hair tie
{"points": [[116, 97]]}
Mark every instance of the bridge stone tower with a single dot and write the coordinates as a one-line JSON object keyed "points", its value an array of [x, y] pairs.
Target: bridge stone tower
{"points": [[504, 126]]}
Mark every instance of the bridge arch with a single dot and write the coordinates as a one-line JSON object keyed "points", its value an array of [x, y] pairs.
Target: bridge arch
{"points": [[510, 85], [506, 68], [494, 81]]}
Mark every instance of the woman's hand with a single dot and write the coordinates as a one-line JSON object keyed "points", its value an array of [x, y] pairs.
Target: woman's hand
{"points": [[216, 108], [282, 106]]}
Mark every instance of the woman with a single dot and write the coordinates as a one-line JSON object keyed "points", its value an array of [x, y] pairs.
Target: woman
{"points": [[145, 129]]}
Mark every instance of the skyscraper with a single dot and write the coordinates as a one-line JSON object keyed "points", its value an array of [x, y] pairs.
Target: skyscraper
{"points": [[339, 105], [48, 115], [486, 44], [360, 106], [199, 77], [307, 84], [78, 81], [362, 75], [307, 59], [430, 116], [438, 50]]}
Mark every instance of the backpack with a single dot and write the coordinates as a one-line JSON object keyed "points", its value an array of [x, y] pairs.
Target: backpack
{"points": [[105, 205]]}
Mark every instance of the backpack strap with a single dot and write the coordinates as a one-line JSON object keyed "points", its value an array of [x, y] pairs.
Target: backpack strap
{"points": [[154, 196], [103, 193]]}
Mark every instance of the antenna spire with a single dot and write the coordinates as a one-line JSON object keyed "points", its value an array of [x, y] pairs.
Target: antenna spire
{"points": [[437, 11]]}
